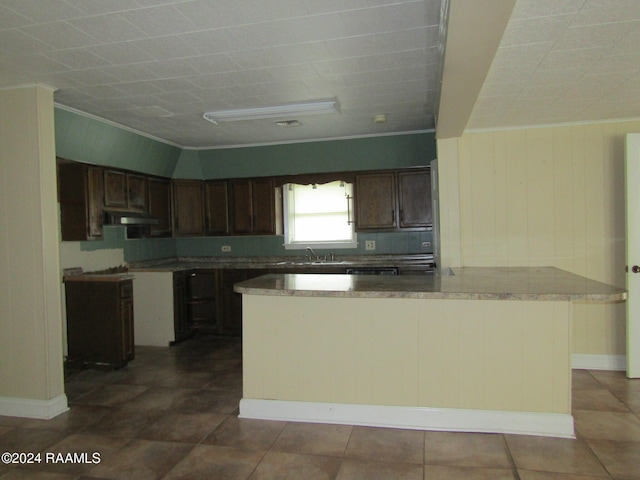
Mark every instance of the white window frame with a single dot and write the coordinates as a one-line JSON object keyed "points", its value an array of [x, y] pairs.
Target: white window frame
{"points": [[302, 245]]}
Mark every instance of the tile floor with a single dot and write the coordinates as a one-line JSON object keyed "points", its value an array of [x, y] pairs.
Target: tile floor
{"points": [[172, 414]]}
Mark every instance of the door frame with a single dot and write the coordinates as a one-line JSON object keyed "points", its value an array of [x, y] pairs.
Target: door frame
{"points": [[632, 198]]}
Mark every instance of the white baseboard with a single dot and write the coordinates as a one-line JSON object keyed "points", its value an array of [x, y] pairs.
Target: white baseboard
{"points": [[30, 408], [416, 418], [585, 361]]}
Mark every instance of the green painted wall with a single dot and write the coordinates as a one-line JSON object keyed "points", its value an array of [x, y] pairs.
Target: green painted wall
{"points": [[86, 139], [370, 153]]}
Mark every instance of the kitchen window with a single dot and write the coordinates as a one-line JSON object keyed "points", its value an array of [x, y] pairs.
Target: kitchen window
{"points": [[318, 216]]}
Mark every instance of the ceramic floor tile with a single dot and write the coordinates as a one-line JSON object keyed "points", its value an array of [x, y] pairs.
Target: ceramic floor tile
{"points": [[621, 459], [111, 395], [441, 472], [123, 423], [466, 450], [386, 444], [29, 439], [158, 398], [213, 462], [352, 469], [95, 448], [597, 399], [529, 475], [293, 466], [607, 425], [314, 438], [246, 433], [559, 455], [210, 401], [141, 460], [184, 428], [23, 474], [581, 379]]}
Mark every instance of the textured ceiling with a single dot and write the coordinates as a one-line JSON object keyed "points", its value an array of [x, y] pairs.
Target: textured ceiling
{"points": [[564, 61], [156, 66]]}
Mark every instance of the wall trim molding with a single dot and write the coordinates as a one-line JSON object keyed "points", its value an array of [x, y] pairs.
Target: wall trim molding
{"points": [[587, 361], [415, 418], [31, 408]]}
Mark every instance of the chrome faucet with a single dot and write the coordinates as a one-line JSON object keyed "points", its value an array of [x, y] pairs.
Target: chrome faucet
{"points": [[310, 255], [329, 257]]}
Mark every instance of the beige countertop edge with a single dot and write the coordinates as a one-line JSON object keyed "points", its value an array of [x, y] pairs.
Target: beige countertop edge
{"points": [[475, 283], [593, 297]]}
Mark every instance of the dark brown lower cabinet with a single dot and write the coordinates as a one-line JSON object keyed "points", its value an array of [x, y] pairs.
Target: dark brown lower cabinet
{"points": [[182, 329], [100, 322]]}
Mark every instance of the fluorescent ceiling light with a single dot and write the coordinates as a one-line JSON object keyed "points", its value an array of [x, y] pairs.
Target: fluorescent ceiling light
{"points": [[276, 111]]}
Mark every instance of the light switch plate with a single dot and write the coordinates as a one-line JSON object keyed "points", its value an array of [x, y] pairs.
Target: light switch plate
{"points": [[370, 245]]}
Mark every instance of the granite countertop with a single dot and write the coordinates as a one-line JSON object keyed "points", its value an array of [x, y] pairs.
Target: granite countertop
{"points": [[284, 262], [468, 283]]}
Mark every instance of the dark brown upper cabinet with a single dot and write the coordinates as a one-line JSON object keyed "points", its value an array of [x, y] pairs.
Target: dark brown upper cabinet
{"points": [[81, 193], [160, 206], [137, 186], [376, 201], [216, 207], [414, 195], [115, 189], [188, 208], [125, 190], [393, 200], [253, 207]]}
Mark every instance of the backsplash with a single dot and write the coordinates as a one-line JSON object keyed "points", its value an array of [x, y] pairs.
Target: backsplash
{"points": [[137, 250]]}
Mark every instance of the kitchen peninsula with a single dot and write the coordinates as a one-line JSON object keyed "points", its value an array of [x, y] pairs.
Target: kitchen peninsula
{"points": [[484, 349]]}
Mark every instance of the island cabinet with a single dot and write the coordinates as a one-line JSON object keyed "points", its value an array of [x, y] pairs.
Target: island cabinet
{"points": [[216, 207], [253, 207], [188, 208], [100, 329], [160, 206], [80, 193], [394, 200]]}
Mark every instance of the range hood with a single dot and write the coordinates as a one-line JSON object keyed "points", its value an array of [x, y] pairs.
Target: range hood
{"points": [[115, 217]]}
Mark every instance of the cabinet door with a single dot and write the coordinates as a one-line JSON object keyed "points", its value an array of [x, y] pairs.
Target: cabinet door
{"points": [[188, 218], [231, 301], [80, 191], [263, 202], [137, 192], [414, 190], [127, 351], [160, 206], [217, 208], [115, 189], [375, 201], [242, 207], [180, 310], [95, 199]]}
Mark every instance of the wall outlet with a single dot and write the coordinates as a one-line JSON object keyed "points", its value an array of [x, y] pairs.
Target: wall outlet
{"points": [[226, 248], [370, 245]]}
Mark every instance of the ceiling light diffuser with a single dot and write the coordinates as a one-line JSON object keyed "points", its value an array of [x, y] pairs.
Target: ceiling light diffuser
{"points": [[258, 113]]}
